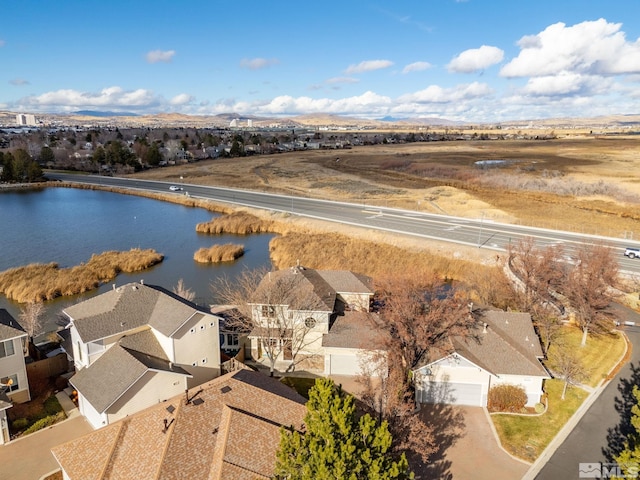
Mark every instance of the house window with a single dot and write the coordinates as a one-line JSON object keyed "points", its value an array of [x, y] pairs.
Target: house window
{"points": [[232, 339], [13, 379], [310, 322], [6, 349], [221, 339], [268, 311]]}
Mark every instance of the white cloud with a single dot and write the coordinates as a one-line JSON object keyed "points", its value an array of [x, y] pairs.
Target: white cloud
{"points": [[567, 84], [336, 80], [258, 63], [2, 43], [476, 59], [368, 66], [416, 67], [156, 56], [111, 98], [593, 47], [18, 82], [181, 99], [437, 94]]}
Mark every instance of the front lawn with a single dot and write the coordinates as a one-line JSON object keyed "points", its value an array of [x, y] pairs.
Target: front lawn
{"points": [[527, 436], [598, 356]]}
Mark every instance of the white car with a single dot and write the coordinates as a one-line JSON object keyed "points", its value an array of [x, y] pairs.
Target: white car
{"points": [[173, 188]]}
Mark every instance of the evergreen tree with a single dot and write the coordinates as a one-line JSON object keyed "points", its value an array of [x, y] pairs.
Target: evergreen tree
{"points": [[337, 444], [629, 458]]}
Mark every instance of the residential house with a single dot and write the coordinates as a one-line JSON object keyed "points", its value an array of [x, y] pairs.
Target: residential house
{"points": [[226, 429], [503, 348], [14, 385], [332, 319], [137, 345]]}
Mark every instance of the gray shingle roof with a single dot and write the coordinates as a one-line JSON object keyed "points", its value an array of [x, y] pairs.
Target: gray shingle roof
{"points": [[126, 308], [9, 327], [111, 375], [509, 346], [354, 330]]}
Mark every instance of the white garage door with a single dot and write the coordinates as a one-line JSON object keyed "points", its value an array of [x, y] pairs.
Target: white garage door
{"points": [[452, 393], [344, 365]]}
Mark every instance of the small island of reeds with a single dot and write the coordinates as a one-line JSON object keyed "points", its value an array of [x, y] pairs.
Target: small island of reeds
{"points": [[39, 282], [219, 253], [237, 223]]}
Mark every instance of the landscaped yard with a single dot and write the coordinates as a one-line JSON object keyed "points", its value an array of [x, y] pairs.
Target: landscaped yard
{"points": [[598, 356], [527, 436]]}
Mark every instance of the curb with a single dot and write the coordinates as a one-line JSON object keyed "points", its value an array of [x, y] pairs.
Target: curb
{"points": [[568, 427]]}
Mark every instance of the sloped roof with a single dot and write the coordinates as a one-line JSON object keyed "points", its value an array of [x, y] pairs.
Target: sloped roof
{"points": [[508, 345], [354, 330], [115, 372], [9, 326], [322, 285], [230, 433], [129, 307]]}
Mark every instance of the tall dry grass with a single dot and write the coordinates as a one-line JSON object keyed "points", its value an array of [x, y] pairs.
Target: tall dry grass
{"points": [[219, 253], [40, 282], [238, 223], [332, 251]]}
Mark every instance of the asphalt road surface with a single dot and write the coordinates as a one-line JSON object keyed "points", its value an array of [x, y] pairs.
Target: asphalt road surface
{"points": [[597, 434], [474, 232]]}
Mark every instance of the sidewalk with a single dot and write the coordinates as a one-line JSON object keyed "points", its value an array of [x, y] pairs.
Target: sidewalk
{"points": [[29, 457]]}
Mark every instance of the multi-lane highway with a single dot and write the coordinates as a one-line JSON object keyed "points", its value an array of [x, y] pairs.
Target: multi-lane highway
{"points": [[478, 233]]}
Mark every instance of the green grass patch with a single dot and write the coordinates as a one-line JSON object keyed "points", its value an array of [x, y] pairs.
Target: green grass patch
{"points": [[598, 356], [527, 436], [299, 384]]}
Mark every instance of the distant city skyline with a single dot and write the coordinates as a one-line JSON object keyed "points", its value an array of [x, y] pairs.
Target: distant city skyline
{"points": [[459, 60]]}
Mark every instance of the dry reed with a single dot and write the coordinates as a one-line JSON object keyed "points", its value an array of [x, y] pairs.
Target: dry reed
{"points": [[39, 282], [219, 253], [238, 223]]}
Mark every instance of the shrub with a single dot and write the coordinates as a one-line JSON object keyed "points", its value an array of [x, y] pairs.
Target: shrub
{"points": [[52, 405], [20, 424], [43, 423], [507, 398]]}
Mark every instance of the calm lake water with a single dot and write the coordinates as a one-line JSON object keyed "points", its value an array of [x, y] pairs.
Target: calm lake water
{"points": [[67, 226]]}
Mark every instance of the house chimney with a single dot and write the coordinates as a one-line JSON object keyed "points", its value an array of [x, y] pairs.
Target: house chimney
{"points": [[484, 328], [113, 285], [142, 281]]}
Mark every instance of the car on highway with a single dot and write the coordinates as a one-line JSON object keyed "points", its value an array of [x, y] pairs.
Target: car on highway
{"points": [[173, 188], [632, 252]]}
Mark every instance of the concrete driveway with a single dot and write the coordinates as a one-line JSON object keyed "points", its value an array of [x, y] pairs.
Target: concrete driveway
{"points": [[469, 448]]}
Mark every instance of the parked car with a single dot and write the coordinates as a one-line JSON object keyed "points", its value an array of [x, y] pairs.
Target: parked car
{"points": [[173, 188], [632, 252]]}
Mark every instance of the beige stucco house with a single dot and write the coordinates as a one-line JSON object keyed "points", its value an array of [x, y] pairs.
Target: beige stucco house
{"points": [[326, 318], [137, 345], [14, 384], [502, 349]]}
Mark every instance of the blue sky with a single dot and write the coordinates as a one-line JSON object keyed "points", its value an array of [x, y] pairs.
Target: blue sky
{"points": [[465, 60]]}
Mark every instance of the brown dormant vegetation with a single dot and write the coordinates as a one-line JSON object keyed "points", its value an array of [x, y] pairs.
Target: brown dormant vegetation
{"points": [[238, 223], [219, 253], [39, 282]]}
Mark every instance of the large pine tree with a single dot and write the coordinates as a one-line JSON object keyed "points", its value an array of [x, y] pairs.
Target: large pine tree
{"points": [[337, 443], [629, 458]]}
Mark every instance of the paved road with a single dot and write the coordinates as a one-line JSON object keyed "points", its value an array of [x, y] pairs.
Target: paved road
{"points": [[478, 233], [595, 434]]}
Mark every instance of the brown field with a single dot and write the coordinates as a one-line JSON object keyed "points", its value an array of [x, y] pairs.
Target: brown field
{"points": [[583, 183], [38, 282]]}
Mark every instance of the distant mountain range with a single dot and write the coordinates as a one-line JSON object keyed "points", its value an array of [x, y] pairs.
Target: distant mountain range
{"points": [[223, 120]]}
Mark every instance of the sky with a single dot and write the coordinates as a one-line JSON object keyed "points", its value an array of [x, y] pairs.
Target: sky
{"points": [[461, 60]]}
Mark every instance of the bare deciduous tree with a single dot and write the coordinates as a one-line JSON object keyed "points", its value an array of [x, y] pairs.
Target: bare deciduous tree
{"points": [[277, 308], [181, 290], [589, 288], [565, 363], [31, 318], [420, 313]]}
